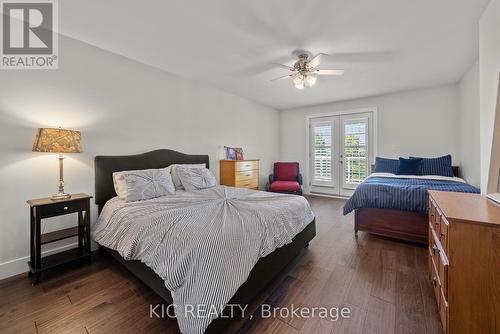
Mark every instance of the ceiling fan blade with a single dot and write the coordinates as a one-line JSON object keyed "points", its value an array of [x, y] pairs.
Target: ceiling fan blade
{"points": [[363, 57], [328, 72], [286, 67], [313, 63], [283, 77]]}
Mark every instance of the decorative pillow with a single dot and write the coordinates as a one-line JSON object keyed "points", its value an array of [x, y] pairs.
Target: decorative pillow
{"points": [[196, 178], [175, 176], [135, 185], [383, 165], [412, 166], [119, 184], [437, 166]]}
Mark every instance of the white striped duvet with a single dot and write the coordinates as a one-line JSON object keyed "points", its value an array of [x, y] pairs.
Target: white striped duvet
{"points": [[204, 243]]}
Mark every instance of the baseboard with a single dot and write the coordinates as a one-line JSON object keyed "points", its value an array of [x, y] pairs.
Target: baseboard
{"points": [[19, 266], [327, 195]]}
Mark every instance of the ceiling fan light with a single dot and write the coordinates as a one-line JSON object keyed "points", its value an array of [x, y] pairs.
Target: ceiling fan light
{"points": [[310, 80], [298, 80], [299, 85]]}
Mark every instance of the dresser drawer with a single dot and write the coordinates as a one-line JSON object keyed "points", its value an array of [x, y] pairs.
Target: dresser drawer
{"points": [[435, 284], [246, 165], [439, 224], [59, 208], [434, 249], [440, 261], [443, 312], [443, 272], [436, 222], [443, 233], [432, 214], [252, 184], [247, 175]]}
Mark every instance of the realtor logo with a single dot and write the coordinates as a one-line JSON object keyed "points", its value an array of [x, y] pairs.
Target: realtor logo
{"points": [[29, 35]]}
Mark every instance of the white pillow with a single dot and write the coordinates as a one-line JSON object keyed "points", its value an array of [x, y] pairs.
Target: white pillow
{"points": [[196, 178], [175, 176], [134, 185], [120, 184]]}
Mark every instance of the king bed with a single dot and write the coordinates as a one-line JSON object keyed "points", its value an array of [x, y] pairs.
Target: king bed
{"points": [[217, 246]]}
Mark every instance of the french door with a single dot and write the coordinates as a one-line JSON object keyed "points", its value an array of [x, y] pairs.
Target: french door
{"points": [[340, 152]]}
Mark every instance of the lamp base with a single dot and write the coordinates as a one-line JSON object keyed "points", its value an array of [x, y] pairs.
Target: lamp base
{"points": [[60, 196]]}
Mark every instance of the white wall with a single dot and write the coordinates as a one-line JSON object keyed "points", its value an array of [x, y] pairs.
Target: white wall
{"points": [[468, 126], [419, 122], [121, 107], [489, 63]]}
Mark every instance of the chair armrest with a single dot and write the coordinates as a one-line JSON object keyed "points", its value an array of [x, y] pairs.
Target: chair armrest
{"points": [[299, 178], [268, 185]]}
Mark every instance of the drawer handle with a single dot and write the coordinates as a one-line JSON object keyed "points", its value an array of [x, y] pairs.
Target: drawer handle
{"points": [[435, 281], [65, 208], [248, 174], [434, 249]]}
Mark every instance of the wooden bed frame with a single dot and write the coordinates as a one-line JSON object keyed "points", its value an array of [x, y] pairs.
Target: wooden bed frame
{"points": [[403, 225], [266, 269]]}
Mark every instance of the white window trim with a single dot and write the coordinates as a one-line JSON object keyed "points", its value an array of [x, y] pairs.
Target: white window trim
{"points": [[373, 110]]}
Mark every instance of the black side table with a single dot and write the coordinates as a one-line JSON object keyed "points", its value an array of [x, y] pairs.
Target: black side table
{"points": [[46, 208]]}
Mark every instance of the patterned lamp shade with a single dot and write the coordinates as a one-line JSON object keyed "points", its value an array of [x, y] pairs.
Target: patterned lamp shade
{"points": [[57, 141]]}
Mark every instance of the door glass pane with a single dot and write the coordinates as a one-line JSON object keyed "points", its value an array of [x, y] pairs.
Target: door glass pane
{"points": [[355, 151], [322, 153]]}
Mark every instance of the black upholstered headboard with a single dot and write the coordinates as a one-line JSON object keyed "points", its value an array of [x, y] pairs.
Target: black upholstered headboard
{"points": [[106, 165]]}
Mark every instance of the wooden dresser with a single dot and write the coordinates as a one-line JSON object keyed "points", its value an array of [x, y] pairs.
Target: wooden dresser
{"points": [[240, 173], [464, 261]]}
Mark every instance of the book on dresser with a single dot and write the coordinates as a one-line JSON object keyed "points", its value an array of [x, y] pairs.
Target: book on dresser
{"points": [[240, 173], [464, 261]]}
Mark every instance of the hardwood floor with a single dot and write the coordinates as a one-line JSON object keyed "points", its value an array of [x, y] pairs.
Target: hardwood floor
{"points": [[382, 281]]}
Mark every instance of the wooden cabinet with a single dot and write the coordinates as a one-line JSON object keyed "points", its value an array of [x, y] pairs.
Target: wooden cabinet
{"points": [[240, 173], [464, 261]]}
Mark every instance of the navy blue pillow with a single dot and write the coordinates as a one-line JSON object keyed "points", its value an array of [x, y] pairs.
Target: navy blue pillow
{"points": [[383, 165], [412, 166], [437, 166]]}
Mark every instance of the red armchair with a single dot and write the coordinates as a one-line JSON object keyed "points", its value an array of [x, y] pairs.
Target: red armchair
{"points": [[285, 179]]}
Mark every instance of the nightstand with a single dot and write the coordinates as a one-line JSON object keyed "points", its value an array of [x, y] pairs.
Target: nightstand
{"points": [[239, 173], [43, 208]]}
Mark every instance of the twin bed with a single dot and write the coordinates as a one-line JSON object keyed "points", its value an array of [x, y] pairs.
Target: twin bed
{"points": [[396, 206], [211, 247]]}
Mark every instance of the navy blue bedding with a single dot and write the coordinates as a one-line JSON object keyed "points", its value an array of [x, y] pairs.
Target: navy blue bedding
{"points": [[404, 194]]}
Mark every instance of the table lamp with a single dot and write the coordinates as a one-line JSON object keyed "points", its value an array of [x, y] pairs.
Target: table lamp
{"points": [[58, 141]]}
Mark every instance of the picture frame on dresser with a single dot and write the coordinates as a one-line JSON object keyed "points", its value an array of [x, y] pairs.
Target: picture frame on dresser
{"points": [[233, 153]]}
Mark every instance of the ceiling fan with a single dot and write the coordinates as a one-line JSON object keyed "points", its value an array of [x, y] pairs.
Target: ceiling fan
{"points": [[304, 72]]}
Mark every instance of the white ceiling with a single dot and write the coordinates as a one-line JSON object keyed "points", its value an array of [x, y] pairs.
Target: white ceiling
{"points": [[384, 45]]}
